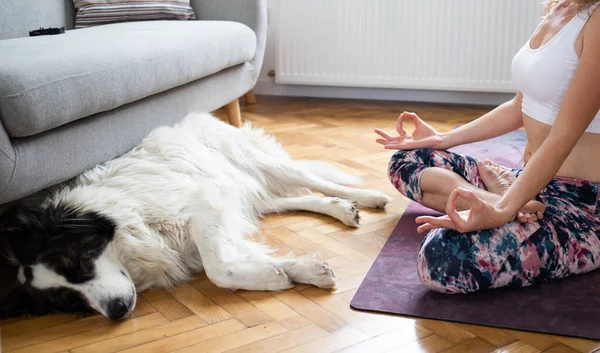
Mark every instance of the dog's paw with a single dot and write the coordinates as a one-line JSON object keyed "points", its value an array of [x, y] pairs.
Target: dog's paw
{"points": [[372, 199], [310, 270], [257, 276], [280, 282], [324, 276], [346, 211]]}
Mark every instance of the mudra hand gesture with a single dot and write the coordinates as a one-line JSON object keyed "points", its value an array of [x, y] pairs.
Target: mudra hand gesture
{"points": [[480, 215], [424, 136]]}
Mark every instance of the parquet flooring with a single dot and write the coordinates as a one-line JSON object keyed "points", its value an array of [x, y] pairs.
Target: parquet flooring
{"points": [[199, 317]]}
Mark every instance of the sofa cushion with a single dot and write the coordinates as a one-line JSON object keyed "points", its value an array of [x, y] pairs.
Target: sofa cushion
{"points": [[49, 81]]}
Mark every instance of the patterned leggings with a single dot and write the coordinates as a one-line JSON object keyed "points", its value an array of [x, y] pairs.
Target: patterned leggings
{"points": [[564, 243]]}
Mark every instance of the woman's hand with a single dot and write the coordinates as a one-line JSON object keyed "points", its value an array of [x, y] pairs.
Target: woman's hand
{"points": [[480, 215], [424, 135]]}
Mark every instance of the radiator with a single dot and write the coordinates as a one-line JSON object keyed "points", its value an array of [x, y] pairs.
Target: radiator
{"points": [[462, 45]]}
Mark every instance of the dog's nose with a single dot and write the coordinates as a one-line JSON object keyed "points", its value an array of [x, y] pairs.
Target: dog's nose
{"points": [[117, 309]]}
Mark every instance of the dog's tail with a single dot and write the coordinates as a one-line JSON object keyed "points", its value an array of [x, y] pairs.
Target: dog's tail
{"points": [[331, 173]]}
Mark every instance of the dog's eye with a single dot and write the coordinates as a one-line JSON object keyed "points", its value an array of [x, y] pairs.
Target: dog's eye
{"points": [[123, 273]]}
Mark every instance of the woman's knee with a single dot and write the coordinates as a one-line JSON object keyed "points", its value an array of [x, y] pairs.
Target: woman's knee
{"points": [[401, 158], [433, 276], [430, 278], [404, 170], [446, 263]]}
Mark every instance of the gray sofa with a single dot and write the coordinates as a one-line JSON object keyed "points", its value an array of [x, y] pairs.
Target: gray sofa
{"points": [[71, 101]]}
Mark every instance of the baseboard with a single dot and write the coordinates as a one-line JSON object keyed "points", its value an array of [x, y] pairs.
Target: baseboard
{"points": [[270, 88]]}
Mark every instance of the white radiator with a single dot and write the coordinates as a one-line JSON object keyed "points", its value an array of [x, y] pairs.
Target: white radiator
{"points": [[464, 45]]}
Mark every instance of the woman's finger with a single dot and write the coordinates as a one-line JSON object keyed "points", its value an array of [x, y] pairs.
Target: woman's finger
{"points": [[470, 197], [409, 144], [398, 146], [416, 144], [426, 227], [428, 219], [476, 205], [429, 222], [414, 118], [384, 134], [451, 211], [451, 203], [400, 126]]}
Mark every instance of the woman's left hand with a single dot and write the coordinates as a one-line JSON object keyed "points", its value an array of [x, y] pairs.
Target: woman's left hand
{"points": [[480, 215]]}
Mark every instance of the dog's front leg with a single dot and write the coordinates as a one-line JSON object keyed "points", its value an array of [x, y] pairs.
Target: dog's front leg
{"points": [[230, 260], [229, 265]]}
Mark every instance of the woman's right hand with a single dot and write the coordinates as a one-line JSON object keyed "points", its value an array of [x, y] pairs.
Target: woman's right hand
{"points": [[424, 135]]}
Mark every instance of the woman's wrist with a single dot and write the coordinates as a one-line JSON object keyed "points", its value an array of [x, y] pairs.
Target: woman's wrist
{"points": [[445, 141], [508, 209]]}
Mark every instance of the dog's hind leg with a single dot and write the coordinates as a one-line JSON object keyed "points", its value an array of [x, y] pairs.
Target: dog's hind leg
{"points": [[301, 175], [343, 210]]}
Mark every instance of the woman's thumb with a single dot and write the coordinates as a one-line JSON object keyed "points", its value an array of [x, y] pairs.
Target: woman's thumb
{"points": [[466, 194]]}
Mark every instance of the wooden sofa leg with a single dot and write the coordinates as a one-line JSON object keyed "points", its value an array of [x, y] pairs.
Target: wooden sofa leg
{"points": [[234, 115], [250, 97]]}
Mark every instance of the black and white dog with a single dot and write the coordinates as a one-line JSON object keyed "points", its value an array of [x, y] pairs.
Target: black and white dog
{"points": [[182, 201]]}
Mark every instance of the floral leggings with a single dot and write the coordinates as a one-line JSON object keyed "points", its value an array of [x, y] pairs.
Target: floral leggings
{"points": [[563, 243]]}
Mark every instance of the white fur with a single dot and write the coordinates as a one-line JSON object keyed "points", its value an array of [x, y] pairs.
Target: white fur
{"points": [[187, 196]]}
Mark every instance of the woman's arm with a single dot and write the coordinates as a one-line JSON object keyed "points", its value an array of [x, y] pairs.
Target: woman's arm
{"points": [[581, 104], [502, 120]]}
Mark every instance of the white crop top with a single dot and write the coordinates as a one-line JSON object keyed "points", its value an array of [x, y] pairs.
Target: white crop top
{"points": [[543, 75]]}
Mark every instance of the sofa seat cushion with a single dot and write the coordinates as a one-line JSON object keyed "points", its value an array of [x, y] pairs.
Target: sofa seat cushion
{"points": [[48, 81]]}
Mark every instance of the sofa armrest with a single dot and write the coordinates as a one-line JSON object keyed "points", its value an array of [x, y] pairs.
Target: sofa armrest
{"points": [[252, 13], [7, 162]]}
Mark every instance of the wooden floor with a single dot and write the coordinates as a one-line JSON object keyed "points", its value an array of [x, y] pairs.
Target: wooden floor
{"points": [[199, 317]]}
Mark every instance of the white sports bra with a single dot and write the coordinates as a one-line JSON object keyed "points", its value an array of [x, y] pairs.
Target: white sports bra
{"points": [[543, 75]]}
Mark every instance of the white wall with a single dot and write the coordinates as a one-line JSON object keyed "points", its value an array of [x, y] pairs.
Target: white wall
{"points": [[266, 85]]}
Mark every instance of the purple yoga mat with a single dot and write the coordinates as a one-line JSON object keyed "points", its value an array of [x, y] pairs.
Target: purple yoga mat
{"points": [[567, 307]]}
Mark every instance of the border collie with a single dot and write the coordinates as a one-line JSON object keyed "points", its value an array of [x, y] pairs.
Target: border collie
{"points": [[184, 200]]}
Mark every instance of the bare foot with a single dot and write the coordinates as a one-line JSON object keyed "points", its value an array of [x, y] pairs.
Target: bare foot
{"points": [[497, 179]]}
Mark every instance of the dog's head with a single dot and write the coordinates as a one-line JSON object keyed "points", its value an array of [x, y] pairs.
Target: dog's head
{"points": [[66, 263]]}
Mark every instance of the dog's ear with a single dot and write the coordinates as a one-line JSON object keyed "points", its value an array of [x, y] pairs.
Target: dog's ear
{"points": [[13, 219], [92, 230], [22, 231]]}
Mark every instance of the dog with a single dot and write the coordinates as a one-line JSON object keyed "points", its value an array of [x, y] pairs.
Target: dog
{"points": [[186, 199]]}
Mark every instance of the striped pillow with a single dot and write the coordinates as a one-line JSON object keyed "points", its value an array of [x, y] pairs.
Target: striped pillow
{"points": [[100, 12]]}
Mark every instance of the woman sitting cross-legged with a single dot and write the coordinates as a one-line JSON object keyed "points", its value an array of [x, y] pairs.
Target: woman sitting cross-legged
{"points": [[507, 227]]}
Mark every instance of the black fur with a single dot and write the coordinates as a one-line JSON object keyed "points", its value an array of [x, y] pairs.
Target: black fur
{"points": [[26, 300], [64, 239]]}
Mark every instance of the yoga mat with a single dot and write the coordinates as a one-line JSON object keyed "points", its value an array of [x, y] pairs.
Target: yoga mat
{"points": [[567, 307]]}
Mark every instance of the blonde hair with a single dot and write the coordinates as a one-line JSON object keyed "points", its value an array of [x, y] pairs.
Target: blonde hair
{"points": [[580, 5]]}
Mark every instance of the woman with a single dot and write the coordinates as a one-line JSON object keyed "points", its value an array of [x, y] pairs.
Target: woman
{"points": [[516, 227]]}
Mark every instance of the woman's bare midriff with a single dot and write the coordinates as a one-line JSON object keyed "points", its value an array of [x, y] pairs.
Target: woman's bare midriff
{"points": [[583, 162]]}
